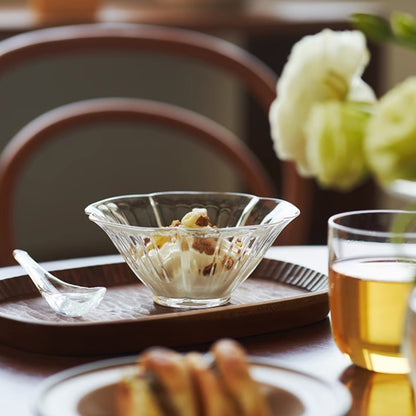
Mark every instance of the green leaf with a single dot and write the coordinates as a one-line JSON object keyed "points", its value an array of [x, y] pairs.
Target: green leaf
{"points": [[404, 28], [375, 28], [401, 29]]}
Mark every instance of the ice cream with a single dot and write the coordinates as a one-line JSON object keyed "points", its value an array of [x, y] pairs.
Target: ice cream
{"points": [[190, 256]]}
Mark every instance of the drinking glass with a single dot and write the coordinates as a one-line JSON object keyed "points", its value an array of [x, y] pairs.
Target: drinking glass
{"points": [[372, 265], [409, 339]]}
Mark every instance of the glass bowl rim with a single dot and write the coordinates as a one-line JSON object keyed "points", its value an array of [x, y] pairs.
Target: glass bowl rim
{"points": [[358, 231], [215, 231]]}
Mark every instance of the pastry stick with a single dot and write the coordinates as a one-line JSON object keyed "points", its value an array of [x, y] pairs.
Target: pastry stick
{"points": [[173, 379], [135, 397], [213, 398], [231, 363]]}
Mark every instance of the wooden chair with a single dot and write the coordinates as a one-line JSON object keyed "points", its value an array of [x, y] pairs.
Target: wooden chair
{"points": [[259, 80]]}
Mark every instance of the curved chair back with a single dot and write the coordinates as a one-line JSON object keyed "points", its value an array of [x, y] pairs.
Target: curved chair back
{"points": [[259, 80]]}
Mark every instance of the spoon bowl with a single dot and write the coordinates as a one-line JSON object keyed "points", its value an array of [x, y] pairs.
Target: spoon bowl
{"points": [[64, 298]]}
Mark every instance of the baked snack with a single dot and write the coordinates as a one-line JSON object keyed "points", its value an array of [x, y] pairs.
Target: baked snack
{"points": [[167, 383]]}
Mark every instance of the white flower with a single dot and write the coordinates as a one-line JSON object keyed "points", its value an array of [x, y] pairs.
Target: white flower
{"points": [[390, 144], [322, 67]]}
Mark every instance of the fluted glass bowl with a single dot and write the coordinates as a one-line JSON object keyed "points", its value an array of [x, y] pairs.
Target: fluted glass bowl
{"points": [[192, 267]]}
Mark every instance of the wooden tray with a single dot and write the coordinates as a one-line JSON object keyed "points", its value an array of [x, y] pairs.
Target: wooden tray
{"points": [[277, 296]]}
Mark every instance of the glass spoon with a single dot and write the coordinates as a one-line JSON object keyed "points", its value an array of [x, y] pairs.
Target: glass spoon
{"points": [[64, 298]]}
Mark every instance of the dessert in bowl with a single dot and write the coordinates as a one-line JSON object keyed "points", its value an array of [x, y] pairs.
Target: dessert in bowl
{"points": [[192, 249]]}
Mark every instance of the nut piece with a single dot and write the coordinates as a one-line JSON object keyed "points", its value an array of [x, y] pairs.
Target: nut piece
{"points": [[204, 245], [197, 218]]}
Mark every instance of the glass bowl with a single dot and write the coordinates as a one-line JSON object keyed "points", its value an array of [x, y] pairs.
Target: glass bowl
{"points": [[189, 263]]}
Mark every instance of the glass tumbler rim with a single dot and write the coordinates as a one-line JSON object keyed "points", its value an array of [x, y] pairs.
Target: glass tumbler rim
{"points": [[333, 224]]}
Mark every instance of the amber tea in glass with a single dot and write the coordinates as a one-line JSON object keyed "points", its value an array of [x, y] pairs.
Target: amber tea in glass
{"points": [[371, 274]]}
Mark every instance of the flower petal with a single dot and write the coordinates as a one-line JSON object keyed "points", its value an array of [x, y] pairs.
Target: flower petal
{"points": [[335, 144], [321, 67], [390, 143]]}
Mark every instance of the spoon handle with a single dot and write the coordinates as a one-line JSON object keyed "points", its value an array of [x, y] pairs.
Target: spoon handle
{"points": [[40, 277]]}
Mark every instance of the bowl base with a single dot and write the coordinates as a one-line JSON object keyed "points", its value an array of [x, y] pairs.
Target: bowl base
{"points": [[188, 303]]}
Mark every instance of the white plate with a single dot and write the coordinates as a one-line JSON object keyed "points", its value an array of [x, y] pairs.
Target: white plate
{"points": [[89, 390]]}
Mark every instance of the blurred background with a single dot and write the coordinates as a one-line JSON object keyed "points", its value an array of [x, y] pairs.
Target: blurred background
{"points": [[107, 160]]}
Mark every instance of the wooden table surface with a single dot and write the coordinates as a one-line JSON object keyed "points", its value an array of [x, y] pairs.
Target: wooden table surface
{"points": [[310, 348]]}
